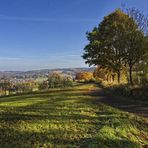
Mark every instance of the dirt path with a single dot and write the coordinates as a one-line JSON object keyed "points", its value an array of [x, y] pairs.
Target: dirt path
{"points": [[122, 103]]}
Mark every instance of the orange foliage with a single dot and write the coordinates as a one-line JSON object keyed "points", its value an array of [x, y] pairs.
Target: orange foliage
{"points": [[86, 76]]}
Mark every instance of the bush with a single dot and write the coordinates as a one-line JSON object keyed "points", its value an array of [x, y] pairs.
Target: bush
{"points": [[25, 87], [144, 80], [43, 85], [67, 81]]}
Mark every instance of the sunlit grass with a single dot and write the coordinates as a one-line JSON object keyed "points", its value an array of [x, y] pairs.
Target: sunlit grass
{"points": [[67, 119]]}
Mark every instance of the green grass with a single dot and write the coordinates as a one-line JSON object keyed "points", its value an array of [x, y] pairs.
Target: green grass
{"points": [[73, 118]]}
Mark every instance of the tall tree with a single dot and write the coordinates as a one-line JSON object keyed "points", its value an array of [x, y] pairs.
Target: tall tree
{"points": [[136, 39], [106, 47], [134, 45]]}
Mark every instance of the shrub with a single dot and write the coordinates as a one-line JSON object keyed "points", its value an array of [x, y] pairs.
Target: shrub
{"points": [[43, 85], [25, 87], [67, 81]]}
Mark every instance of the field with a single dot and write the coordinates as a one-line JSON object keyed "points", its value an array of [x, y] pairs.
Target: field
{"points": [[68, 118]]}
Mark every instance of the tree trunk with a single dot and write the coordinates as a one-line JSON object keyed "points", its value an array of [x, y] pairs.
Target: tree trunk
{"points": [[137, 73], [110, 77], [130, 74], [118, 75], [113, 78], [107, 78]]}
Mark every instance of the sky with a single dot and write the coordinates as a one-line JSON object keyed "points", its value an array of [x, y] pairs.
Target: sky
{"points": [[47, 34]]}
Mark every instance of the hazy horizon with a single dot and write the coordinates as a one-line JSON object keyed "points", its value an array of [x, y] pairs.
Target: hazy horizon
{"points": [[40, 69]]}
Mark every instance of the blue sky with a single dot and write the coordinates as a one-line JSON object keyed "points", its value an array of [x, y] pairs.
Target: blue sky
{"points": [[39, 34]]}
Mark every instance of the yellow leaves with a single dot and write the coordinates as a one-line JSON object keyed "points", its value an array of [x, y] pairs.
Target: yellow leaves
{"points": [[86, 76]]}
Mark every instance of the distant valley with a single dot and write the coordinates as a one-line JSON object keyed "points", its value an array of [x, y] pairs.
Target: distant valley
{"points": [[42, 72]]}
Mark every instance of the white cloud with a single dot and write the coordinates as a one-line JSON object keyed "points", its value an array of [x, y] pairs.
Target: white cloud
{"points": [[13, 18], [9, 58]]}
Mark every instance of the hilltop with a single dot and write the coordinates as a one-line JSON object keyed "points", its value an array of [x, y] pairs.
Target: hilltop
{"points": [[43, 72]]}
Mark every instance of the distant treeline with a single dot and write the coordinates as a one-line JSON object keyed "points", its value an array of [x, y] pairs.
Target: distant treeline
{"points": [[54, 80]]}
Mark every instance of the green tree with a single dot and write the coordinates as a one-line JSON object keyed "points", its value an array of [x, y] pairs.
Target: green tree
{"points": [[134, 50], [67, 81], [57, 80], [5, 85], [135, 39], [105, 46]]}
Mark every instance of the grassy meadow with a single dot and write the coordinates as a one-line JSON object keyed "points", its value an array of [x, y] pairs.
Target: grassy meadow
{"points": [[73, 118]]}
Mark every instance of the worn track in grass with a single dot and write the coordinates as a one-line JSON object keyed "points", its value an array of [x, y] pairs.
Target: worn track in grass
{"points": [[123, 103]]}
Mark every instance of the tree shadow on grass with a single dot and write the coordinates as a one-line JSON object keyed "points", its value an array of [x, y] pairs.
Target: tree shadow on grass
{"points": [[11, 138], [108, 143], [46, 95], [122, 103]]}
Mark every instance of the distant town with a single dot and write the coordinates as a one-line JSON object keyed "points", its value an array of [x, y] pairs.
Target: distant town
{"points": [[12, 82]]}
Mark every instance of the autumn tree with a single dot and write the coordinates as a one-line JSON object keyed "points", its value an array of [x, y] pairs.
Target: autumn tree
{"points": [[104, 74], [84, 76]]}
